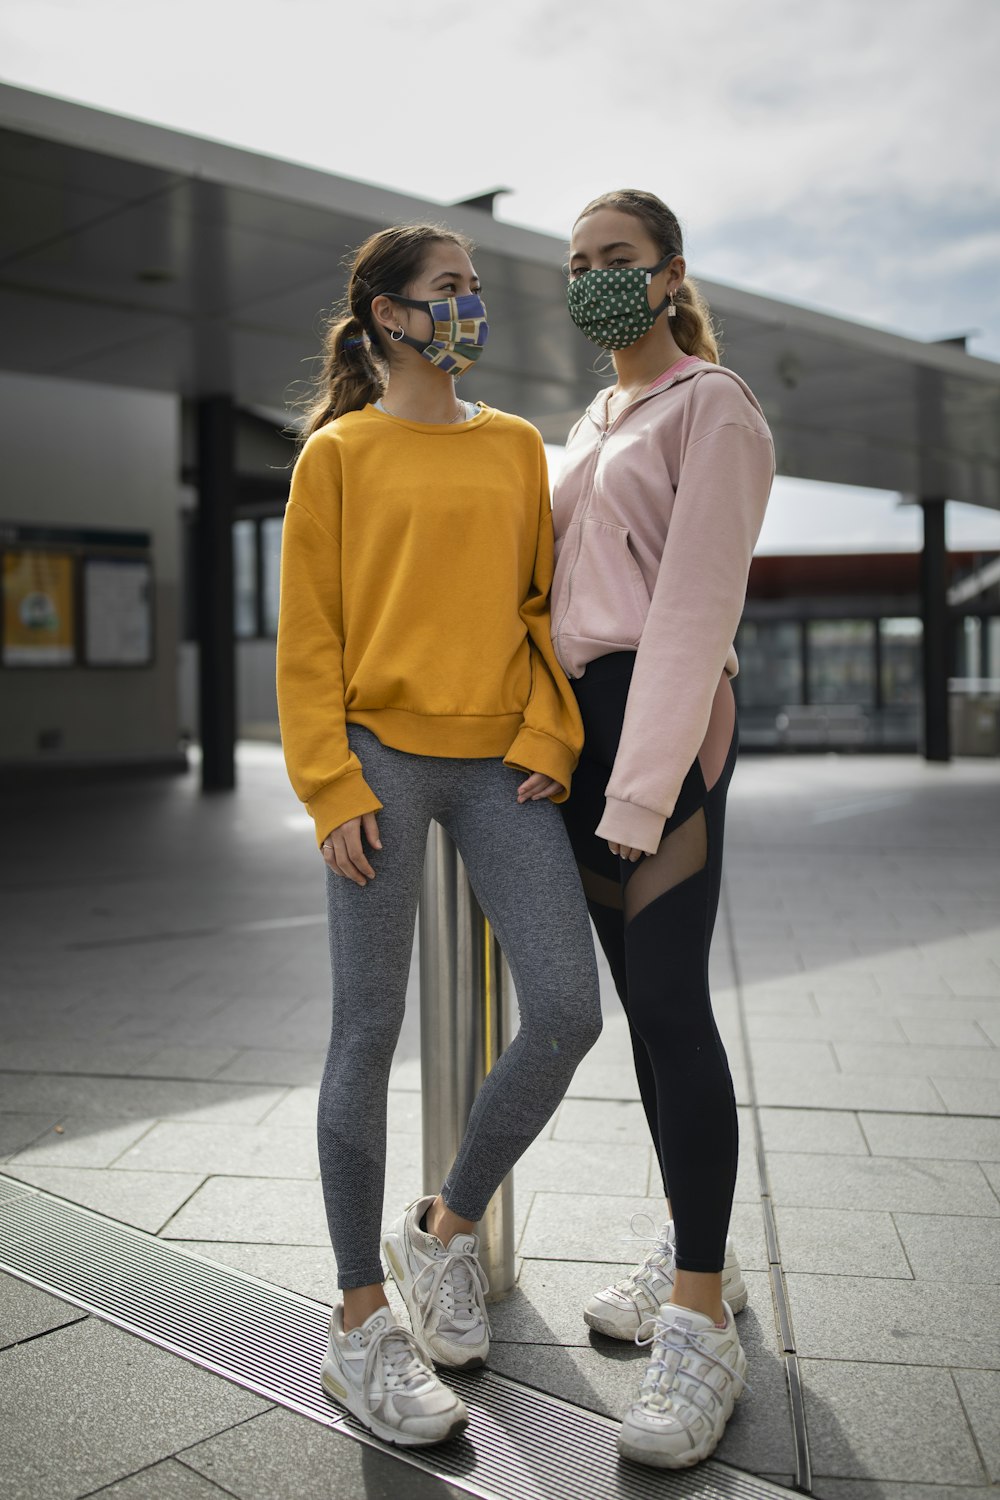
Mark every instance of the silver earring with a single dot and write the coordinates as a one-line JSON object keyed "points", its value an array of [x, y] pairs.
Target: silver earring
{"points": [[672, 306], [396, 335]]}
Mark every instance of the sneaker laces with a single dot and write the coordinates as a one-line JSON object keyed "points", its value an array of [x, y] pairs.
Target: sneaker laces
{"points": [[671, 1343], [661, 1257], [457, 1285], [403, 1368]]}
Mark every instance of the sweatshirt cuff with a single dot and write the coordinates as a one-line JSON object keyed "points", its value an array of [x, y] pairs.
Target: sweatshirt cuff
{"points": [[534, 751], [631, 826], [336, 802]]}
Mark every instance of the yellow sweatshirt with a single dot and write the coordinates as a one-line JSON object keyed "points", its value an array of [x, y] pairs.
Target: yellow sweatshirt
{"points": [[416, 562]]}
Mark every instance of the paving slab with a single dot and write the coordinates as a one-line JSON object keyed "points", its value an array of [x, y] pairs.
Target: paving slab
{"points": [[61, 1054], [176, 1061], [909, 1061], [969, 1096], [224, 1150], [826, 1131], [19, 1130], [146, 1200], [902, 1006], [602, 1120], [768, 1026], [980, 1394], [762, 999], [567, 1166], [844, 1091], [944, 1247], [260, 1065], [281, 1454], [122, 1405], [26, 1312], [882, 1321], [888, 1489], [252, 1209], [925, 1031], [880, 1421], [944, 1139], [907, 1184], [137, 1098], [168, 1480], [82, 1141], [841, 1242], [310, 1270]]}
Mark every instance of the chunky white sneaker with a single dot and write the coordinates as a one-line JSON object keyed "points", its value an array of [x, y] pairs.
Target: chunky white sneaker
{"points": [[377, 1371], [629, 1307], [694, 1376], [443, 1287]]}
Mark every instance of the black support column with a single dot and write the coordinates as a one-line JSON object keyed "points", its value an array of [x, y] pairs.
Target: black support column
{"points": [[937, 634], [216, 448]]}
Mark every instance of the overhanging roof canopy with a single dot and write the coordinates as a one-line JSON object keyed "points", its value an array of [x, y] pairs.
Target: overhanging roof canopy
{"points": [[137, 256]]}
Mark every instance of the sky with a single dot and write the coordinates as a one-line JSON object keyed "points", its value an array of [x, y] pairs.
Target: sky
{"points": [[837, 153]]}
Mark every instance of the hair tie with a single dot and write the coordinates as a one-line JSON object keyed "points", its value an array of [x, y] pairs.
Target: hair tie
{"points": [[355, 342]]}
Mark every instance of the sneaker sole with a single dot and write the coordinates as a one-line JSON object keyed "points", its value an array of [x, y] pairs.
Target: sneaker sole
{"points": [[662, 1458], [392, 1434], [736, 1296], [396, 1257]]}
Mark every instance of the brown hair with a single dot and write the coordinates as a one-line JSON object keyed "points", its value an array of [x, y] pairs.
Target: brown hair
{"points": [[354, 347], [692, 326]]}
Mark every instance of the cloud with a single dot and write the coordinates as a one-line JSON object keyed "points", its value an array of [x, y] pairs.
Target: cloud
{"points": [[838, 152]]}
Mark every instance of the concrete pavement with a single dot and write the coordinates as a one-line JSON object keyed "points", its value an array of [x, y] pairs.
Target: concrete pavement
{"points": [[162, 1026]]}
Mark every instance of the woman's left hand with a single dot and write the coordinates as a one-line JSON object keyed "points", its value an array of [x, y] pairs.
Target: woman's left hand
{"points": [[624, 852], [537, 787]]}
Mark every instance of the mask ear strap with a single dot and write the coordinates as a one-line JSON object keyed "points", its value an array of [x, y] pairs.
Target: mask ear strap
{"points": [[406, 301], [661, 265]]}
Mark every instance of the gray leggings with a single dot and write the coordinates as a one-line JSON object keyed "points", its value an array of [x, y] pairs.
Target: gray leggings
{"points": [[524, 874]]}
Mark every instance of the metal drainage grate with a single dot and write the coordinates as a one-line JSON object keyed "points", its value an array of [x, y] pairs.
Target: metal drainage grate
{"points": [[519, 1445]]}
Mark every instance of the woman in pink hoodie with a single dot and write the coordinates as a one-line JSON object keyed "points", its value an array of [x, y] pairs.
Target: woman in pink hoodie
{"points": [[657, 510]]}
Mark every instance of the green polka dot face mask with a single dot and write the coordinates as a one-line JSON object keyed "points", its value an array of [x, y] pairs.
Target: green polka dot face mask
{"points": [[611, 307]]}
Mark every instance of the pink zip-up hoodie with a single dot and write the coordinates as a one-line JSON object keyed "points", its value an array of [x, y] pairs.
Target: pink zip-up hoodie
{"points": [[656, 517]]}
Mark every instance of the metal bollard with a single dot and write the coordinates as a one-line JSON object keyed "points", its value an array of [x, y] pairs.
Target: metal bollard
{"points": [[465, 1002]]}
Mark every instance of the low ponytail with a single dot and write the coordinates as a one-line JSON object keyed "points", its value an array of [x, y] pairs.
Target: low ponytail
{"points": [[356, 352], [692, 325], [348, 378]]}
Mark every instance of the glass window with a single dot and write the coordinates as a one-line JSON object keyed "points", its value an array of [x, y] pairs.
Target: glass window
{"points": [[901, 643], [270, 567], [991, 666], [842, 661], [770, 656], [244, 578]]}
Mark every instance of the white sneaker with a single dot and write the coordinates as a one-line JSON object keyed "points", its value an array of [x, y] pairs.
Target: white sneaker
{"points": [[378, 1373], [629, 1307], [443, 1287], [694, 1376]]}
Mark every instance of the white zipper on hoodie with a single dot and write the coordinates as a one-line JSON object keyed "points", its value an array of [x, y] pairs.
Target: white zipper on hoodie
{"points": [[604, 430]]}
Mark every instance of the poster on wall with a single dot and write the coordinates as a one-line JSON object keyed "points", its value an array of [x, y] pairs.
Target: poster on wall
{"points": [[38, 609], [117, 612]]}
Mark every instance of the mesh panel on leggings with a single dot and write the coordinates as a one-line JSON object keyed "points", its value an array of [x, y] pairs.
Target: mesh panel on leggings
{"points": [[683, 853]]}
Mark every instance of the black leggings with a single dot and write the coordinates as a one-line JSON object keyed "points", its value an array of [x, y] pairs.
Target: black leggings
{"points": [[655, 920]]}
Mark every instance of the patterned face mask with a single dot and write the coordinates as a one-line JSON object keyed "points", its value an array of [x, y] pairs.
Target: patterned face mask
{"points": [[459, 334], [611, 307]]}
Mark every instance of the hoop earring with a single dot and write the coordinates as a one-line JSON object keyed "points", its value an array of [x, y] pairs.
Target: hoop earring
{"points": [[396, 335]]}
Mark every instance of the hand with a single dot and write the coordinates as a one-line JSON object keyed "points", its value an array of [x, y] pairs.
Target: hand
{"points": [[537, 787], [344, 852], [624, 852]]}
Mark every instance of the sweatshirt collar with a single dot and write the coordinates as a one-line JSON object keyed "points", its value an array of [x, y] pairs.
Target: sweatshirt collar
{"points": [[682, 369], [436, 429]]}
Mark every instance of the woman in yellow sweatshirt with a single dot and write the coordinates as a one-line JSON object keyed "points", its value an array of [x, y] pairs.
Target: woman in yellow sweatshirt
{"points": [[417, 681]]}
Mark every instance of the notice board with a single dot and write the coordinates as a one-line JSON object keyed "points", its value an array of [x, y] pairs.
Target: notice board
{"points": [[75, 597]]}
